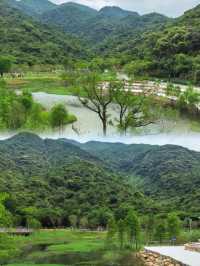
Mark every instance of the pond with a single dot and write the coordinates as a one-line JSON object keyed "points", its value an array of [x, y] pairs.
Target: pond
{"points": [[88, 126], [40, 254]]}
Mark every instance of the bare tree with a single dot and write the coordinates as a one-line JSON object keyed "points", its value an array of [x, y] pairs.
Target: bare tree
{"points": [[97, 95]]}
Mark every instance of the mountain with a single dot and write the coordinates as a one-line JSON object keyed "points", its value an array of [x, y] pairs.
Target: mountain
{"points": [[59, 179], [74, 178], [171, 51], [69, 16], [33, 7], [170, 174], [96, 26], [33, 43], [116, 12]]}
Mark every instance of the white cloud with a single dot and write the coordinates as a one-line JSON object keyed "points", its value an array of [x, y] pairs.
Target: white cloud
{"points": [[168, 7]]}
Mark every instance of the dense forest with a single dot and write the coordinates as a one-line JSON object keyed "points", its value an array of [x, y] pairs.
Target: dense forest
{"points": [[147, 46], [29, 42], [52, 180]]}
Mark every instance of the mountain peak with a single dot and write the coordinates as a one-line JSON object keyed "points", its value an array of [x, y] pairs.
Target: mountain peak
{"points": [[115, 11]]}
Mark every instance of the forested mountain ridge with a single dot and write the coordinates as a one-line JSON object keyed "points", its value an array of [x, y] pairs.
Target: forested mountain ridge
{"points": [[96, 26], [31, 42], [33, 7], [171, 52], [70, 17], [58, 179], [168, 173], [73, 178]]}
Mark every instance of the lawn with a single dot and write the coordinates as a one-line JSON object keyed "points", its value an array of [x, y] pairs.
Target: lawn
{"points": [[52, 247], [40, 83]]}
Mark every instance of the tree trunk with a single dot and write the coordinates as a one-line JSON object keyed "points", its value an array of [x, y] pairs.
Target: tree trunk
{"points": [[104, 127], [104, 121]]}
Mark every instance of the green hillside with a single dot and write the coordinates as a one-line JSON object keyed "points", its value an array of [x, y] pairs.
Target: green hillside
{"points": [[61, 178], [170, 174], [33, 7], [69, 16], [171, 52], [33, 43], [58, 179], [98, 26]]}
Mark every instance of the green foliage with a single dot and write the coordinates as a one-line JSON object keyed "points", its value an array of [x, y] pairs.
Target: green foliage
{"points": [[57, 181], [121, 228], [133, 229], [5, 65], [161, 230], [173, 225], [169, 174], [32, 43], [59, 116]]}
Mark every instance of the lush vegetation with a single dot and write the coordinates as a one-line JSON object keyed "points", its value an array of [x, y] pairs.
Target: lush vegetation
{"points": [[22, 112], [169, 173], [126, 232], [31, 43], [58, 182], [151, 45]]}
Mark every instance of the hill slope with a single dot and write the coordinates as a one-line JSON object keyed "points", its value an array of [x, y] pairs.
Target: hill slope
{"points": [[33, 7], [60, 179], [69, 16], [31, 42], [97, 26], [170, 174], [170, 52]]}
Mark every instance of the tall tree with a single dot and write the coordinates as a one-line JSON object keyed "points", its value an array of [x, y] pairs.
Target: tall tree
{"points": [[97, 96], [111, 230], [173, 225], [133, 228], [5, 65], [134, 110], [121, 228], [160, 230]]}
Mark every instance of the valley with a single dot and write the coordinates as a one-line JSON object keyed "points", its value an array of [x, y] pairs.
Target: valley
{"points": [[99, 134]]}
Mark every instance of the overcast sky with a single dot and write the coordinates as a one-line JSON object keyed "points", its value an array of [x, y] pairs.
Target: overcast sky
{"points": [[168, 7]]}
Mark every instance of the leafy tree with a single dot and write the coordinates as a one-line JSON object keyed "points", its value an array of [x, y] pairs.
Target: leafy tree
{"points": [[121, 228], [161, 230], [84, 222], [111, 230], [5, 65], [58, 116], [133, 228], [5, 216], [27, 100], [149, 225], [173, 225], [7, 248], [134, 110], [189, 99], [73, 220]]}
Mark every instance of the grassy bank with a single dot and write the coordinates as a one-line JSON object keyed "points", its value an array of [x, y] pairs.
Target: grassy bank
{"points": [[65, 247]]}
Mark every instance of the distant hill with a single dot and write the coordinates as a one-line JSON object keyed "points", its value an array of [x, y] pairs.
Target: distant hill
{"points": [[33, 43], [33, 7], [168, 173], [97, 26], [171, 51], [69, 16]]}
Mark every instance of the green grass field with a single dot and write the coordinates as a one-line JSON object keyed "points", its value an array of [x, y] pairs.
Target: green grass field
{"points": [[63, 247]]}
